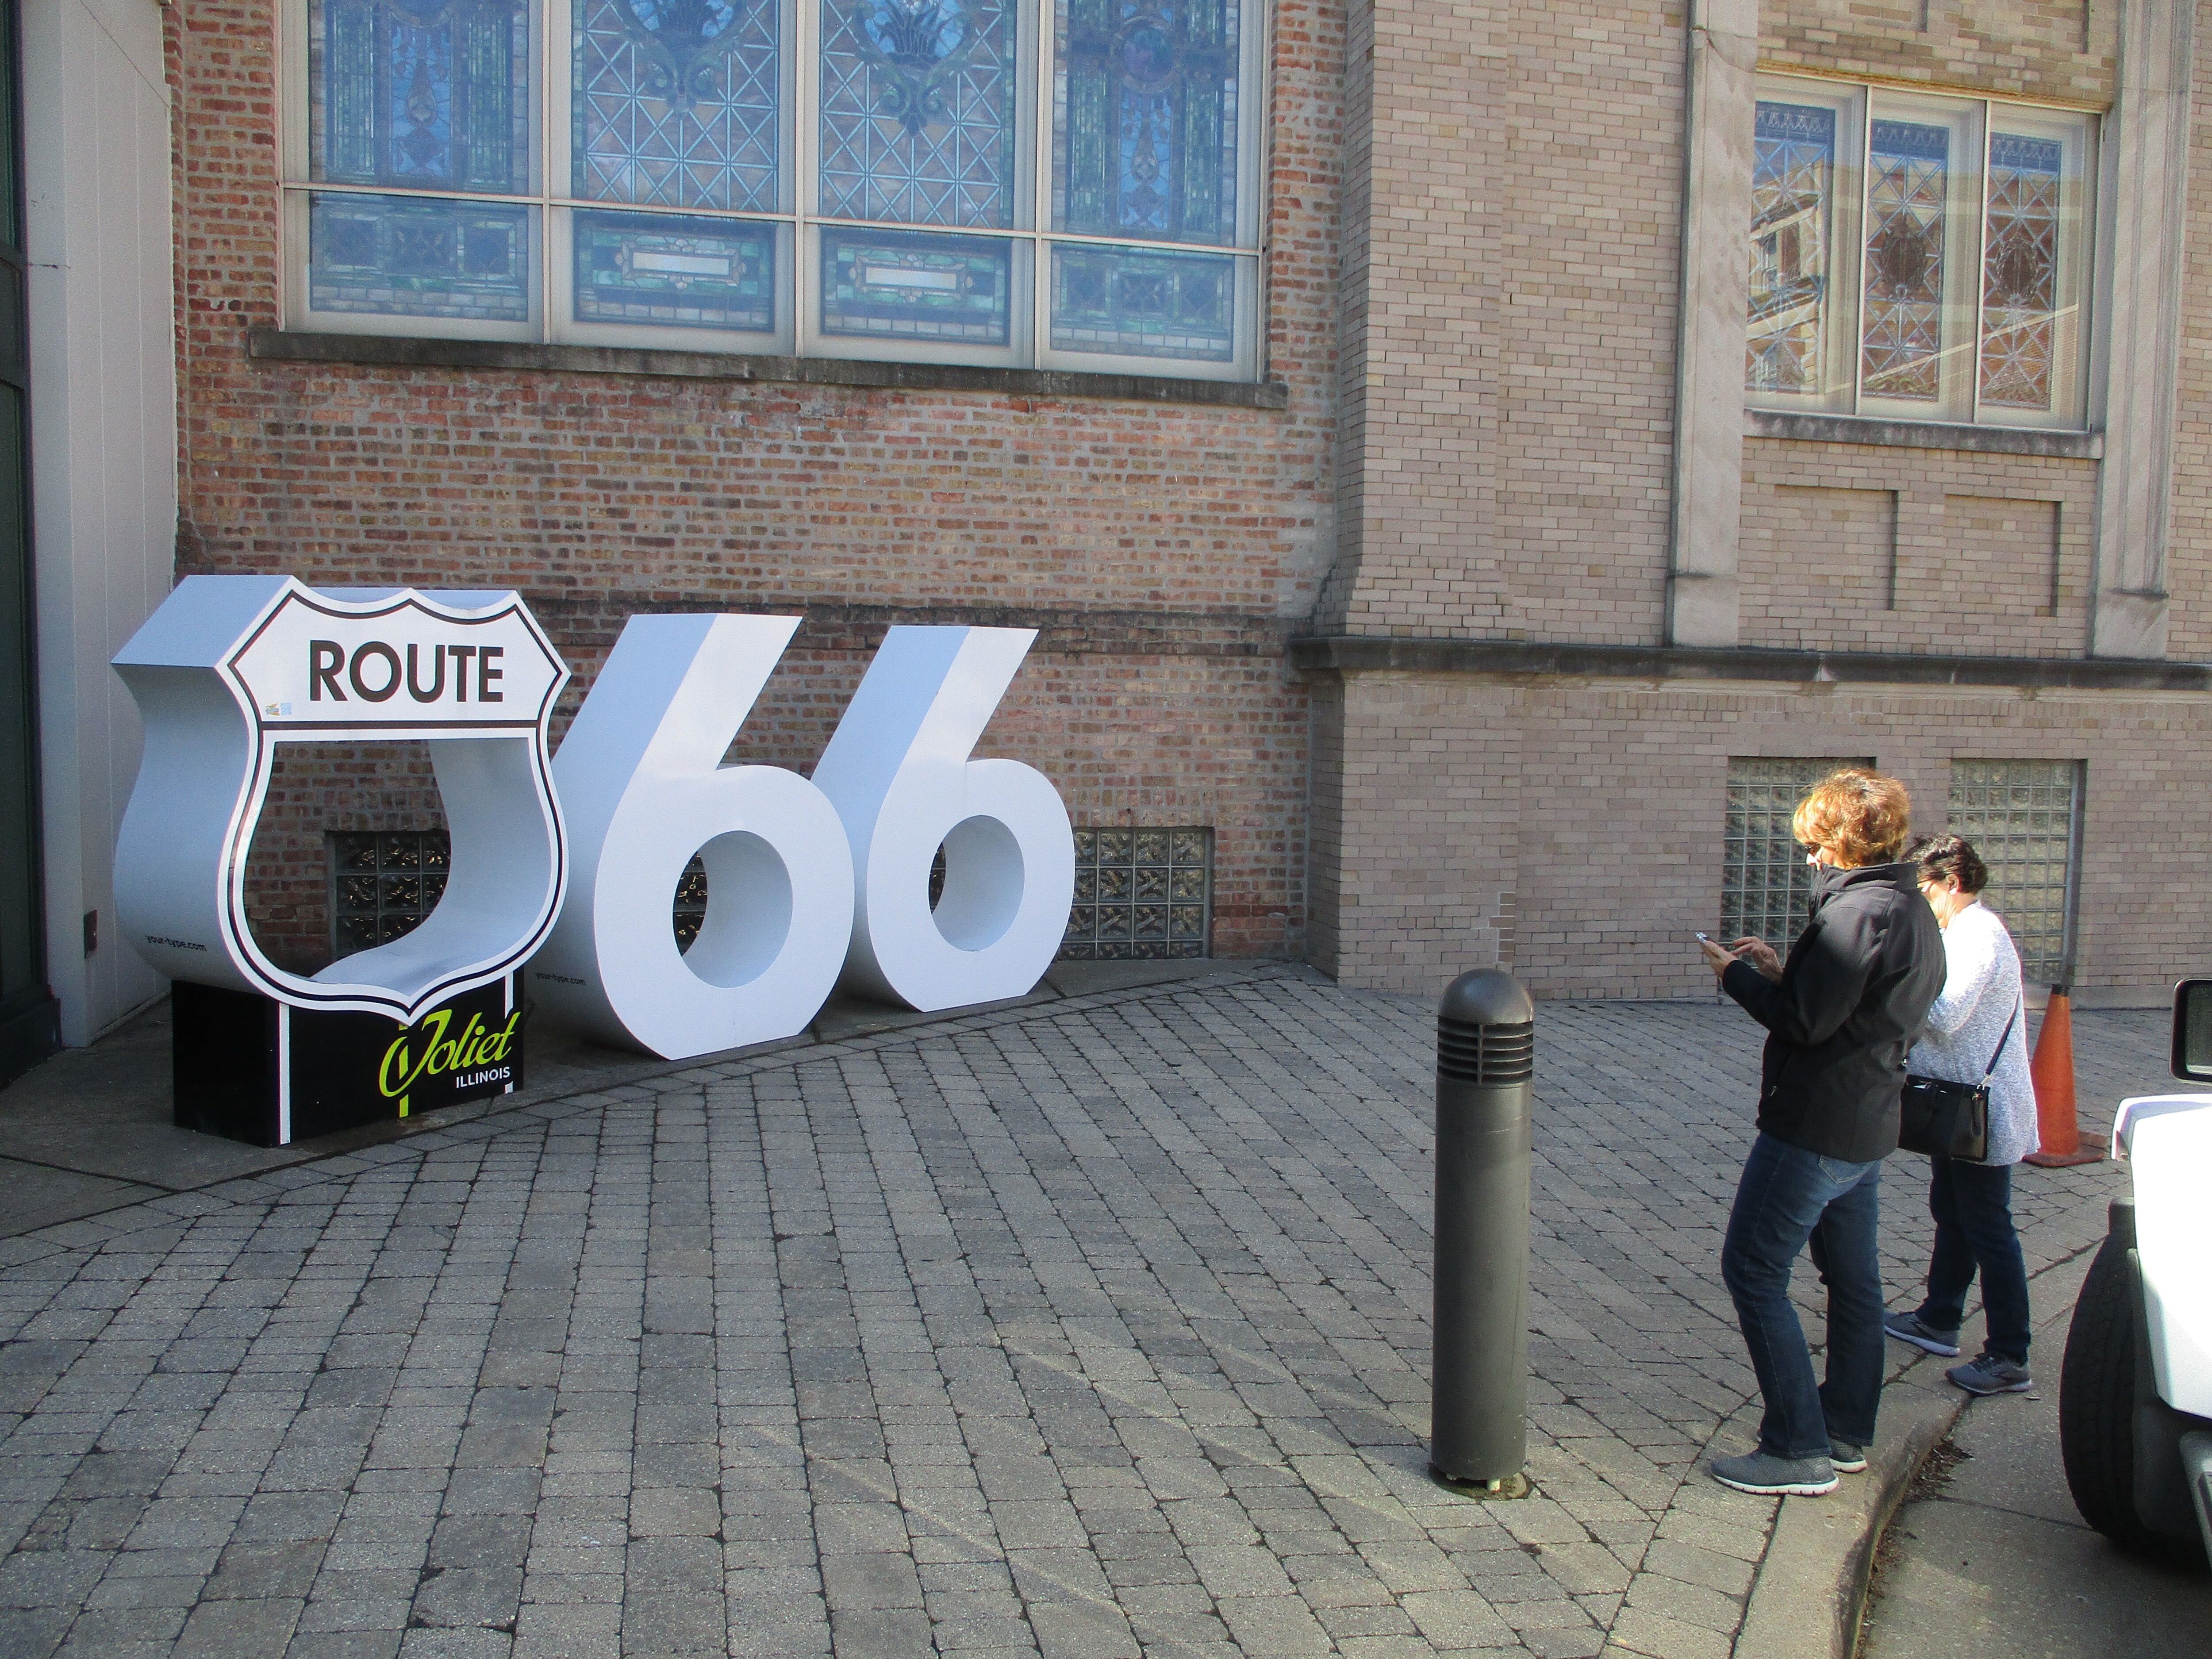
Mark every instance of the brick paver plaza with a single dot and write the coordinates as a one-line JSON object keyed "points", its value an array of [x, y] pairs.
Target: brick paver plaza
{"points": [[1089, 1328]]}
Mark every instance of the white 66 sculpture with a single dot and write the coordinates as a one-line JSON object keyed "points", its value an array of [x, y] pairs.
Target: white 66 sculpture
{"points": [[802, 879], [805, 880], [231, 666]]}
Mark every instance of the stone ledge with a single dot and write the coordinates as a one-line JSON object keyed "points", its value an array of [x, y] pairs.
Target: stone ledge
{"points": [[398, 351], [1363, 654], [1811, 1591], [1924, 435]]}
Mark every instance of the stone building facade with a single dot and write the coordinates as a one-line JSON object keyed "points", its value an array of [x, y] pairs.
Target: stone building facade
{"points": [[1589, 568], [1467, 459]]}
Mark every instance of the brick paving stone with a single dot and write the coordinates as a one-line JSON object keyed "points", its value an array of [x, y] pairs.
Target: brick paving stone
{"points": [[1094, 1328]]}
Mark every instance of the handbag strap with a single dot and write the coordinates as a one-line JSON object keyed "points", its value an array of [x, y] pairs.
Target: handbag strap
{"points": [[1990, 1070]]}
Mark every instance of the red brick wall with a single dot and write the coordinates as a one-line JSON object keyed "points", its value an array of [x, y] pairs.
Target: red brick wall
{"points": [[1165, 550]]}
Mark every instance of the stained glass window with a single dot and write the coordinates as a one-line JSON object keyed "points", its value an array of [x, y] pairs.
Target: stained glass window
{"points": [[1792, 184], [1145, 118], [434, 93], [669, 271], [1908, 168], [437, 180], [1144, 303], [419, 256], [674, 102], [2020, 271], [917, 119], [898, 286], [1916, 255]]}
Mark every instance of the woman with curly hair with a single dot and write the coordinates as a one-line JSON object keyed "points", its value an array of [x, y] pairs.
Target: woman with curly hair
{"points": [[1839, 1015]]}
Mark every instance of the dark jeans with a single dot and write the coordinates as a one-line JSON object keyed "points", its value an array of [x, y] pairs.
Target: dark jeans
{"points": [[1787, 1196], [1972, 1206]]}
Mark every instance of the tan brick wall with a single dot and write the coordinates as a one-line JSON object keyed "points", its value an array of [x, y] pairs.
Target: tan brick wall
{"points": [[1164, 549], [1587, 818], [2064, 50], [1507, 447], [1853, 547], [2189, 558]]}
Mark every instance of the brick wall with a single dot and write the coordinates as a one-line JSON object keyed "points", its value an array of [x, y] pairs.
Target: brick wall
{"points": [[1598, 857], [2064, 50], [2189, 558], [1853, 547], [1509, 322], [1164, 550]]}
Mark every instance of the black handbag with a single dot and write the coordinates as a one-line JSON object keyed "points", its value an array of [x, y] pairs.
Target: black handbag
{"points": [[1944, 1118]]}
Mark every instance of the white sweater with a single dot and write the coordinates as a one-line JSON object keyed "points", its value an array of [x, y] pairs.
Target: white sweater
{"points": [[1981, 989]]}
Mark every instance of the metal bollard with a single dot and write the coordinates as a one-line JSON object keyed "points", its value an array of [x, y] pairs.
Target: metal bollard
{"points": [[1485, 1055]]}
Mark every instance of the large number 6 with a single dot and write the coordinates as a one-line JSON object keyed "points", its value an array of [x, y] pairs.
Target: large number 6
{"points": [[897, 771], [643, 785]]}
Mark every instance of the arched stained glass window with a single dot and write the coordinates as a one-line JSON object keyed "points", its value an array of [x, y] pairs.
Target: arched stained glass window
{"points": [[1145, 121], [674, 102], [918, 112], [429, 93]]}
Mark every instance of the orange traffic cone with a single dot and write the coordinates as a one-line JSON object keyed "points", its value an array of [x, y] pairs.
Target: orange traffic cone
{"points": [[2052, 1068]]}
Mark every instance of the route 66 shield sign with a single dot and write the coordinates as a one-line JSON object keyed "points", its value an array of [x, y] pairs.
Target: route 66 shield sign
{"points": [[231, 666]]}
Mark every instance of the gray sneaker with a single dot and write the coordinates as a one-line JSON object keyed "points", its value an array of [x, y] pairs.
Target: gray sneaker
{"points": [[1991, 1374], [1909, 1328], [1769, 1476], [1847, 1458]]}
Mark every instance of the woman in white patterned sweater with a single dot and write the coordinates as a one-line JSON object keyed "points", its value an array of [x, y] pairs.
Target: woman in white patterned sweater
{"points": [[1982, 1007]]}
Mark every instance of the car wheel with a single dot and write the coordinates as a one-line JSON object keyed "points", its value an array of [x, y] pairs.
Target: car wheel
{"points": [[2097, 1411]]}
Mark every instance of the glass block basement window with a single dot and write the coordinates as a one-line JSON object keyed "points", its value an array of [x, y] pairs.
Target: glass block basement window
{"points": [[382, 886], [2024, 818], [384, 883], [1141, 895], [1766, 887]]}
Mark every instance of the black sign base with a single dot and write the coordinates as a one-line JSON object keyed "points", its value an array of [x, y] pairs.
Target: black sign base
{"points": [[251, 1069]]}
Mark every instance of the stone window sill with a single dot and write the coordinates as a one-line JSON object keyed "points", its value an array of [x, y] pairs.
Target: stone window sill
{"points": [[273, 344], [1924, 435]]}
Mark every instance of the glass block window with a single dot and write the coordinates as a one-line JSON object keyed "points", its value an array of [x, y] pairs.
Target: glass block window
{"points": [[1058, 184], [2024, 817], [1141, 895], [690, 914], [1766, 886], [382, 884], [1919, 257]]}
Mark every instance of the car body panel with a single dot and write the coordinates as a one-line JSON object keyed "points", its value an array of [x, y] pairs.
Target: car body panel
{"points": [[2165, 1141]]}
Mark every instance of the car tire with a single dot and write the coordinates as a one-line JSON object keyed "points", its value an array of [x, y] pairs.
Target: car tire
{"points": [[2097, 1411]]}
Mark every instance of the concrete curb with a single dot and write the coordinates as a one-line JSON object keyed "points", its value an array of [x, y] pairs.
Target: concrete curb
{"points": [[1811, 1586]]}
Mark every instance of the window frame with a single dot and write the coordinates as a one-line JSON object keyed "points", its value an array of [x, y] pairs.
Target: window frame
{"points": [[1857, 105], [551, 211]]}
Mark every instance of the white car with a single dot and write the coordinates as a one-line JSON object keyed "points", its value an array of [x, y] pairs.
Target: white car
{"points": [[2134, 1397]]}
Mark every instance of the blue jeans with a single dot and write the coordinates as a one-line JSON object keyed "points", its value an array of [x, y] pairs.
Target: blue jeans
{"points": [[1972, 1206], [1787, 1198]]}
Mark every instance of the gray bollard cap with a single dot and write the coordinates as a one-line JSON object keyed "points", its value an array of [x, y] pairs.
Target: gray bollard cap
{"points": [[1488, 996]]}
